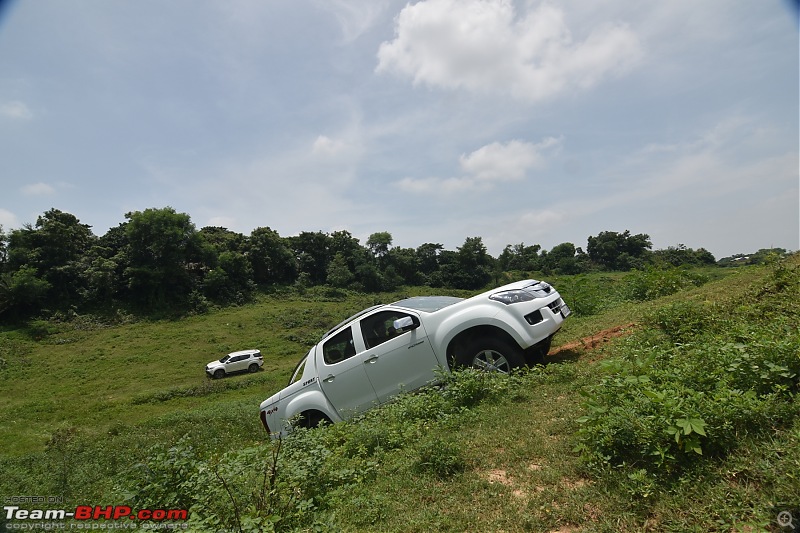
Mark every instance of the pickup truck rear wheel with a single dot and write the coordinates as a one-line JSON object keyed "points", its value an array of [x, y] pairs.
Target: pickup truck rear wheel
{"points": [[492, 355], [313, 419]]}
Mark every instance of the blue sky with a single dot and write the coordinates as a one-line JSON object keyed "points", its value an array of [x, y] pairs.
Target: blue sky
{"points": [[437, 120]]}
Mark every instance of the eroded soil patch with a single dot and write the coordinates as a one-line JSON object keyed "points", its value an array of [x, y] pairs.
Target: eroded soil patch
{"points": [[595, 341]]}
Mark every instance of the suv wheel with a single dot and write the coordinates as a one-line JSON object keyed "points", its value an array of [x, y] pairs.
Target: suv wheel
{"points": [[253, 368], [492, 355], [219, 374]]}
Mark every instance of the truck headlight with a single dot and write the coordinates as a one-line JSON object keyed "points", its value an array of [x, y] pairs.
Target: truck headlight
{"points": [[513, 297]]}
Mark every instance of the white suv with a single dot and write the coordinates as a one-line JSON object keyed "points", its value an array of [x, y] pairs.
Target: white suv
{"points": [[243, 361]]}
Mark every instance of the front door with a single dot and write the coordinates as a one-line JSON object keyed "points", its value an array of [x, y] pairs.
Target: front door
{"points": [[396, 362]]}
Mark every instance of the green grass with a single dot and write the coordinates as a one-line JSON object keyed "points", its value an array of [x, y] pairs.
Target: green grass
{"points": [[486, 453]]}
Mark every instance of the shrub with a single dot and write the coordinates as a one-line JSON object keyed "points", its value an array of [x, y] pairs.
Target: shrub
{"points": [[654, 282], [683, 321], [440, 457], [717, 376], [587, 296]]}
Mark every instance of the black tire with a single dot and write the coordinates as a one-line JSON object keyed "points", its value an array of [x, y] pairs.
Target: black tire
{"points": [[537, 353], [492, 355], [219, 374], [313, 419], [253, 368]]}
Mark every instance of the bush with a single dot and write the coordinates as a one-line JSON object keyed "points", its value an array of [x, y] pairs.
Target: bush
{"points": [[589, 296], [683, 321], [716, 376], [653, 282], [440, 457]]}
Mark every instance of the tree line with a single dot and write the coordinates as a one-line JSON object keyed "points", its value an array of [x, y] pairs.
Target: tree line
{"points": [[158, 260]]}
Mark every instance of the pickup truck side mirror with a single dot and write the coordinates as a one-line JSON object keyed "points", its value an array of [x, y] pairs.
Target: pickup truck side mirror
{"points": [[407, 323]]}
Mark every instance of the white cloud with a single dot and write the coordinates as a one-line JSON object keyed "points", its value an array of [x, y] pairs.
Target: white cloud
{"points": [[8, 219], [505, 162], [541, 220], [324, 145], [484, 46], [222, 222], [486, 166], [38, 189], [16, 110]]}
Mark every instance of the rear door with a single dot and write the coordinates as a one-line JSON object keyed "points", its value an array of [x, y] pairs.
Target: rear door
{"points": [[343, 376], [395, 361]]}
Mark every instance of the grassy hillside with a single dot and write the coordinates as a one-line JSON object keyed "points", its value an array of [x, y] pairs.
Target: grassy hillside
{"points": [[93, 376], [116, 413]]}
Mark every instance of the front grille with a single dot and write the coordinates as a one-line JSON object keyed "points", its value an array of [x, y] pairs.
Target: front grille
{"points": [[555, 306]]}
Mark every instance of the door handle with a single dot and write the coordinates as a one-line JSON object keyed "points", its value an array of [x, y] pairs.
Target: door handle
{"points": [[371, 360], [329, 379]]}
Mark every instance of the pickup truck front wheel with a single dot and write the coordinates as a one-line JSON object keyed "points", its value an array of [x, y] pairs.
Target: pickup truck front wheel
{"points": [[492, 355]]}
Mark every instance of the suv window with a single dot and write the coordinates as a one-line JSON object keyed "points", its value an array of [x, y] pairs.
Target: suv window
{"points": [[379, 328], [339, 347]]}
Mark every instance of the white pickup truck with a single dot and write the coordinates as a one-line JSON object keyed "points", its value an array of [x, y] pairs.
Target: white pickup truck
{"points": [[384, 350]]}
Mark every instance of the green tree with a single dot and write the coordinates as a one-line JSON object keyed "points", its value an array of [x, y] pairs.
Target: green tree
{"points": [[520, 257], [163, 247], [369, 277], [470, 267], [561, 259], [55, 249], [379, 244], [428, 257], [313, 253], [682, 255], [355, 255], [339, 274], [271, 258], [22, 292], [222, 239], [618, 251], [406, 264], [3, 249], [232, 279], [101, 276]]}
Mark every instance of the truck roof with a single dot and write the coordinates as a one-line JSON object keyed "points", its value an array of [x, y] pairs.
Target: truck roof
{"points": [[427, 304]]}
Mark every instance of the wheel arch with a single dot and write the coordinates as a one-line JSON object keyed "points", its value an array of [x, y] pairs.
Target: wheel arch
{"points": [[309, 406], [469, 335], [311, 418]]}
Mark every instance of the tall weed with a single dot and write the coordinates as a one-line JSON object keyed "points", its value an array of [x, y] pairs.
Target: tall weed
{"points": [[654, 282]]}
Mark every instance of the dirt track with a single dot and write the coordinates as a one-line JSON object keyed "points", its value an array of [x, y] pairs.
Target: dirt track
{"points": [[595, 341]]}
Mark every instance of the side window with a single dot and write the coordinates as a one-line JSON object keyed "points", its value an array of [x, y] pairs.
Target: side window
{"points": [[379, 328], [235, 359], [339, 347]]}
